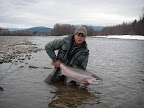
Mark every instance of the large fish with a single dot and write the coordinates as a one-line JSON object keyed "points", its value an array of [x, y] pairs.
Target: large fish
{"points": [[74, 74], [79, 75]]}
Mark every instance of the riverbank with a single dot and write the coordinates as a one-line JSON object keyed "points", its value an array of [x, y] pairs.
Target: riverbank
{"points": [[11, 47]]}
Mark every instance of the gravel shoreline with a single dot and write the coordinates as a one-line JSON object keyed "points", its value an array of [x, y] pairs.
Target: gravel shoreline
{"points": [[11, 47]]}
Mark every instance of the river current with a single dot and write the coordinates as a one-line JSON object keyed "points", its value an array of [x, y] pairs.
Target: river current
{"points": [[119, 62]]}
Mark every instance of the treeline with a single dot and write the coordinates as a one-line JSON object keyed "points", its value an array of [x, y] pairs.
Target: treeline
{"points": [[66, 29], [6, 32], [134, 28], [62, 29]]}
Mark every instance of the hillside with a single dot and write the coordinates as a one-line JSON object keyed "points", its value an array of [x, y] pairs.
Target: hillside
{"points": [[96, 28], [40, 29]]}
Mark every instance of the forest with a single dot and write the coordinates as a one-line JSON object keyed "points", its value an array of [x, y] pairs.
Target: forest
{"points": [[133, 28], [6, 32]]}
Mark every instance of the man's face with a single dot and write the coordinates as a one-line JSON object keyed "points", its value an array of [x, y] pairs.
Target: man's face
{"points": [[79, 38]]}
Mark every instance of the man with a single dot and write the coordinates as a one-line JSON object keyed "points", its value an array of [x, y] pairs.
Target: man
{"points": [[72, 50]]}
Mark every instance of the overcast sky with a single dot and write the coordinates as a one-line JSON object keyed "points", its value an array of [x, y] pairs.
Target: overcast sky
{"points": [[30, 13]]}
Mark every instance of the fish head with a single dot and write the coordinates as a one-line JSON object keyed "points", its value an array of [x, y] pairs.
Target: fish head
{"points": [[93, 81]]}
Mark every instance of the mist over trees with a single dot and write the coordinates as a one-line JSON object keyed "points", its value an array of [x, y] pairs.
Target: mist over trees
{"points": [[133, 28]]}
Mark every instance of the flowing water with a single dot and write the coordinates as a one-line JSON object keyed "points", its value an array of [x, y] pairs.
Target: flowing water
{"points": [[119, 62]]}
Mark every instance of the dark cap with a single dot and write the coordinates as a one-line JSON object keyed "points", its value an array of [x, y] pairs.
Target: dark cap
{"points": [[81, 30]]}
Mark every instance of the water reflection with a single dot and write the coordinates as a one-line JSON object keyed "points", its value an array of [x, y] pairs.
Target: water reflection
{"points": [[71, 96]]}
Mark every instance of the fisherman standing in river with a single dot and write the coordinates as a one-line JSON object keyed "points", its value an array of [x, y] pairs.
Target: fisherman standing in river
{"points": [[72, 51]]}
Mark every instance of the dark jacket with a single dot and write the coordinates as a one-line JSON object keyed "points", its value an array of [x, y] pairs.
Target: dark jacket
{"points": [[78, 58]]}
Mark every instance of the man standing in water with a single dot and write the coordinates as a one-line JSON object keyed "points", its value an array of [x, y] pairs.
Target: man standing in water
{"points": [[72, 50]]}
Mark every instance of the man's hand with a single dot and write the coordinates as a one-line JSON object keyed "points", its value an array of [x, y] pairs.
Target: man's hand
{"points": [[57, 64]]}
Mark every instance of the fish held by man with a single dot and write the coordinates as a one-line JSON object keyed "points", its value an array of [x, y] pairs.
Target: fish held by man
{"points": [[74, 74], [72, 51], [79, 75]]}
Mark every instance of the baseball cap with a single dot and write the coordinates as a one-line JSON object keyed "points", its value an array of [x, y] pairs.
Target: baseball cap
{"points": [[81, 30]]}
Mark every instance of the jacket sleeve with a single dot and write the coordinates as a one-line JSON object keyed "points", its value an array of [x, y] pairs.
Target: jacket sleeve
{"points": [[84, 63], [52, 46]]}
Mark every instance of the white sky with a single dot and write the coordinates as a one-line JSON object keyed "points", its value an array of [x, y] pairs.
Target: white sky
{"points": [[30, 13]]}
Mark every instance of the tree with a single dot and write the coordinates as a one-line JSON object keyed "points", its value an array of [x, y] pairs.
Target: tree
{"points": [[62, 29]]}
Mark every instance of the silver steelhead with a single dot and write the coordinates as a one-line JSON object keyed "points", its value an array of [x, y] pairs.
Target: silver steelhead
{"points": [[79, 75]]}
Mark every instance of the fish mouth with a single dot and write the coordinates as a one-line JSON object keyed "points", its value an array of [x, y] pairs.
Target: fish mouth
{"points": [[97, 82]]}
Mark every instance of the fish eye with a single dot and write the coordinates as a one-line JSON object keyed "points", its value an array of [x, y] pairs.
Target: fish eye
{"points": [[94, 81]]}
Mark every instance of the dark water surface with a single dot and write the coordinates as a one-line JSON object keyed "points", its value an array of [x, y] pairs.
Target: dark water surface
{"points": [[119, 62]]}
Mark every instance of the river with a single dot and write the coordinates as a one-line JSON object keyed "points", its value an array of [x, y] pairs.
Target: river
{"points": [[119, 62]]}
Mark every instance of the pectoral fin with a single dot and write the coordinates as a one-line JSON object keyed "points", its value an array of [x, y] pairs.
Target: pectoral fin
{"points": [[68, 80]]}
